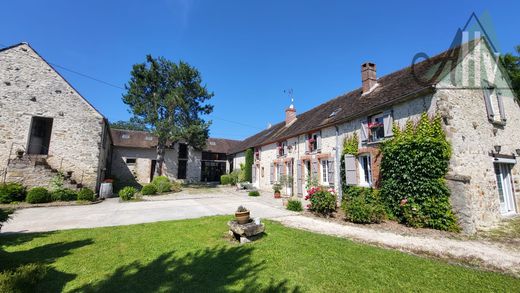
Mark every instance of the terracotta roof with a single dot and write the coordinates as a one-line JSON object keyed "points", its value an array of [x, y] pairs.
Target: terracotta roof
{"points": [[391, 89], [143, 139]]}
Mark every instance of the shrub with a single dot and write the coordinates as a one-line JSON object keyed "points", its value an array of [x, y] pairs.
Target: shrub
{"points": [[248, 165], [162, 183], [234, 177], [254, 193], [12, 191], [23, 279], [38, 195], [5, 215], [127, 193], [363, 205], [176, 186], [86, 194], [149, 189], [323, 200], [413, 167], [225, 179], [294, 205], [277, 187], [64, 194]]}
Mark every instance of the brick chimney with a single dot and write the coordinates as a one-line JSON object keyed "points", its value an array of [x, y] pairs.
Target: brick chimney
{"points": [[290, 115], [368, 76]]}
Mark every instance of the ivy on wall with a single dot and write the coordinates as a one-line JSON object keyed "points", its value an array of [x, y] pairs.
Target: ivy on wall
{"points": [[413, 168]]}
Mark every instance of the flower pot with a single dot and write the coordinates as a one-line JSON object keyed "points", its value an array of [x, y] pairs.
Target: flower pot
{"points": [[277, 194], [19, 154], [242, 217]]}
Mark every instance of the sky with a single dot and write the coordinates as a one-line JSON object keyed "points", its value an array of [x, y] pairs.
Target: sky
{"points": [[248, 52]]}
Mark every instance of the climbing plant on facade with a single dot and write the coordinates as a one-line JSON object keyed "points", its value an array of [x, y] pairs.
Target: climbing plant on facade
{"points": [[413, 168], [350, 147]]}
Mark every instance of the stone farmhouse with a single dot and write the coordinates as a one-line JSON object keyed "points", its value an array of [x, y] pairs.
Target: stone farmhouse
{"points": [[46, 127], [481, 122]]}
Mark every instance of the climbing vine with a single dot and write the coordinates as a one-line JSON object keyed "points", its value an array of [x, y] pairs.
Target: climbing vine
{"points": [[350, 147], [413, 168]]}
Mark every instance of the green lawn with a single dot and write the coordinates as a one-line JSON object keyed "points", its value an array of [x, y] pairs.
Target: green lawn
{"points": [[194, 256]]}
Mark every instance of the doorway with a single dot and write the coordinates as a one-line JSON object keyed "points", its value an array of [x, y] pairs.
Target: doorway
{"points": [[505, 188], [40, 136]]}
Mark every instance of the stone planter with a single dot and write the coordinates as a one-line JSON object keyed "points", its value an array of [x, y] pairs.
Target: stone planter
{"points": [[242, 217]]}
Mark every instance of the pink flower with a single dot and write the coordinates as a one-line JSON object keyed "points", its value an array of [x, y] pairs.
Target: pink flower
{"points": [[403, 201]]}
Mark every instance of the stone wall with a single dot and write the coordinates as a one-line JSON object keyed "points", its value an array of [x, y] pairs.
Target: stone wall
{"points": [[30, 87]]}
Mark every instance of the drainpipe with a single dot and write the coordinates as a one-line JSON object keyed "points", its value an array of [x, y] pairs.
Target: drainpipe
{"points": [[338, 166]]}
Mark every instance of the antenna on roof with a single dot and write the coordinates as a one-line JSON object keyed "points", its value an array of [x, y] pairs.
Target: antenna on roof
{"points": [[289, 92]]}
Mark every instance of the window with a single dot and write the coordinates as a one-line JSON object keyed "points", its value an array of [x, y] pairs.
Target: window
{"points": [[278, 172], [262, 172], [183, 151], [257, 155], [209, 156], [130, 161], [313, 142], [325, 172], [494, 105], [505, 188], [282, 146], [376, 127], [365, 170], [181, 171]]}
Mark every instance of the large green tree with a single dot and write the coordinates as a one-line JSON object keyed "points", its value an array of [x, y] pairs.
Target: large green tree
{"points": [[132, 124], [512, 65], [169, 98]]}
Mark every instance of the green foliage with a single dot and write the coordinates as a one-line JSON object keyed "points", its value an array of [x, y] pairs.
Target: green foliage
{"points": [[64, 194], [248, 167], [162, 183], [86, 194], [149, 189], [350, 147], [512, 65], [127, 193], [254, 193], [5, 215], [323, 200], [23, 279], [294, 205], [414, 164], [225, 179], [57, 182], [11, 192], [38, 195], [234, 177], [132, 124], [175, 186], [277, 187], [363, 205], [169, 98]]}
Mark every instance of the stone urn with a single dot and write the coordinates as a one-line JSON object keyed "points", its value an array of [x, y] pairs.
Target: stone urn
{"points": [[242, 217]]}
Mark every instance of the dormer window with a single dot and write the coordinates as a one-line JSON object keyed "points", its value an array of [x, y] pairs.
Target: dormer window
{"points": [[377, 127]]}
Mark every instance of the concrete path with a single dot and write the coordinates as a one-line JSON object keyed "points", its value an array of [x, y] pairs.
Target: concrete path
{"points": [[111, 212]]}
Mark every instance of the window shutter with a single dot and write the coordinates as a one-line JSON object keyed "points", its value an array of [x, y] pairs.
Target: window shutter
{"points": [[330, 166], [350, 170], [315, 170], [299, 178], [271, 178], [319, 140], [501, 107], [388, 121], [489, 106], [364, 131], [254, 173]]}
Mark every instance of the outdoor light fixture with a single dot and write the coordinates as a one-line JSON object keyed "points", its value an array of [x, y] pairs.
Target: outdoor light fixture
{"points": [[518, 151], [498, 148]]}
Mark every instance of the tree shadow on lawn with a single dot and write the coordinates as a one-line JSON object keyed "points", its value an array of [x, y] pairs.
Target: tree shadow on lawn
{"points": [[52, 280], [217, 269]]}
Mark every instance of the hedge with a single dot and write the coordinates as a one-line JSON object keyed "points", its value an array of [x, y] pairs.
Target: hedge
{"points": [[12, 191], [363, 205], [225, 179], [38, 195]]}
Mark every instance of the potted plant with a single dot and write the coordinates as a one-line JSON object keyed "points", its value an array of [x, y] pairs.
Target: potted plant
{"points": [[242, 215], [19, 153], [277, 187]]}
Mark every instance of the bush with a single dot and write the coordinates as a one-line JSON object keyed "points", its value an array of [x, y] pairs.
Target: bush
{"points": [[64, 194], [5, 215], [294, 205], [248, 165], [323, 200], [38, 195], [86, 194], [363, 205], [127, 193], [162, 183], [12, 191], [23, 279], [413, 167], [149, 189], [234, 177], [176, 186], [254, 193], [225, 179]]}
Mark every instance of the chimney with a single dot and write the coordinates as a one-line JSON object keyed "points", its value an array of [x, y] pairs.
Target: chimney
{"points": [[290, 115], [368, 76]]}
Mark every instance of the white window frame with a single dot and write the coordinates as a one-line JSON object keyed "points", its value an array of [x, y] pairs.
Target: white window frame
{"points": [[505, 188], [325, 172], [363, 172]]}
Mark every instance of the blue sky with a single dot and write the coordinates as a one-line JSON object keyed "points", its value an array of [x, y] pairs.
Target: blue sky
{"points": [[247, 51]]}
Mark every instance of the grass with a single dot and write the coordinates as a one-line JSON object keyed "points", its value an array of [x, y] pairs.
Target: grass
{"points": [[194, 255]]}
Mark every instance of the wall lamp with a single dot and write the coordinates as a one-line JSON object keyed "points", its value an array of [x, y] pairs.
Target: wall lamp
{"points": [[498, 148], [518, 152]]}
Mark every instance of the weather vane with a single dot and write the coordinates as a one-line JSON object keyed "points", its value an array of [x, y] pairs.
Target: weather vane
{"points": [[289, 92]]}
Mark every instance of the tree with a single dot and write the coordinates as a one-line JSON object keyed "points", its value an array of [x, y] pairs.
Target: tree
{"points": [[132, 124], [248, 168], [512, 66], [168, 97]]}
